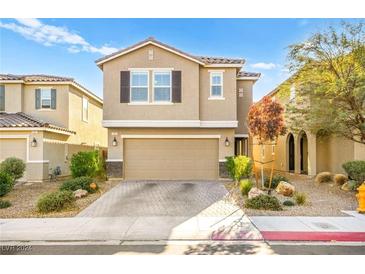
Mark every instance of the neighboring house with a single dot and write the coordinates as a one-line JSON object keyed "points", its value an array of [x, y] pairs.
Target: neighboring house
{"points": [[45, 119], [304, 152], [173, 115]]}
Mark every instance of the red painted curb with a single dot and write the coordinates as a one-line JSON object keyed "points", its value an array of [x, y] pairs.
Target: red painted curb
{"points": [[313, 236]]}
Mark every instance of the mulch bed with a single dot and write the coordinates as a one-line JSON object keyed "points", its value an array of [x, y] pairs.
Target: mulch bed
{"points": [[322, 200], [24, 199]]}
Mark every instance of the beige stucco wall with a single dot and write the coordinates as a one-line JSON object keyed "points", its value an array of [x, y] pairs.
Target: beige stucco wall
{"points": [[116, 153], [13, 97], [359, 151], [243, 105], [188, 109]]}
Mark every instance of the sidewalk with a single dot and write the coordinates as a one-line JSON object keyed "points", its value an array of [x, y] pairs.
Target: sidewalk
{"points": [[346, 229]]}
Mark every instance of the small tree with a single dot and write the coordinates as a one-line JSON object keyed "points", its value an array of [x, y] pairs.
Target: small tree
{"points": [[266, 123]]}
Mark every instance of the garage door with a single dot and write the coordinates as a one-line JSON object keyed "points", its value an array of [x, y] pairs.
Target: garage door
{"points": [[171, 159], [13, 148]]}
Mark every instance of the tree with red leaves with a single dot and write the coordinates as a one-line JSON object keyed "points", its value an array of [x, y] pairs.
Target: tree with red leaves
{"points": [[266, 123]]}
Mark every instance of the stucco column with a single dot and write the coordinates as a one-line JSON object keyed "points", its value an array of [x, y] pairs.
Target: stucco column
{"points": [[312, 154]]}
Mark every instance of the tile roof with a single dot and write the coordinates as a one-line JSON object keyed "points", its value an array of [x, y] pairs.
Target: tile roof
{"points": [[206, 60], [20, 119], [248, 74]]}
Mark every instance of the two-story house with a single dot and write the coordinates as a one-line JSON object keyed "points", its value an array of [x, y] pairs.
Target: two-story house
{"points": [[45, 119], [173, 115]]}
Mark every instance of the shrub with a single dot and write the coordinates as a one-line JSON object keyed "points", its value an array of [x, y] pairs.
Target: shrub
{"points": [[4, 204], [276, 179], [14, 167], [55, 201], [6, 183], [86, 163], [355, 170], [324, 177], [79, 183], [340, 179], [264, 202], [239, 167], [288, 203], [300, 198], [245, 186]]}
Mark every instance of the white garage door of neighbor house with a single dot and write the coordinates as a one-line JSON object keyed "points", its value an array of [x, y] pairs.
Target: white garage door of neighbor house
{"points": [[13, 148], [171, 159]]}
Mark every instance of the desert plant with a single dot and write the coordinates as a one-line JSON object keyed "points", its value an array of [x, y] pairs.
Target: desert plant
{"points": [[355, 170], [288, 203], [245, 186], [6, 183], [324, 177], [300, 198], [14, 167], [79, 183], [85, 163], [4, 204], [55, 201], [239, 167], [276, 179], [264, 202], [340, 179]]}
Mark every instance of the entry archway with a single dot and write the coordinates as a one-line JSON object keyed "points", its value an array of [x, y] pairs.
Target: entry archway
{"points": [[291, 152], [303, 152]]}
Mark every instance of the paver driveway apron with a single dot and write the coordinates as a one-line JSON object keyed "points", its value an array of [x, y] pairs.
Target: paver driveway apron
{"points": [[173, 210]]}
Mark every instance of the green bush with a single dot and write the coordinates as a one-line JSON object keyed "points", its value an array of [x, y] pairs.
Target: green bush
{"points": [[6, 183], [276, 179], [245, 186], [288, 203], [300, 198], [355, 170], [79, 183], [14, 167], [86, 163], [55, 201], [4, 204], [264, 202], [239, 167]]}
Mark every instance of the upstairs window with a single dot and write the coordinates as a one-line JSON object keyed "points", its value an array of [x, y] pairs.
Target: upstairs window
{"points": [[85, 109], [216, 84], [139, 87], [2, 98], [46, 98], [292, 92], [162, 86]]}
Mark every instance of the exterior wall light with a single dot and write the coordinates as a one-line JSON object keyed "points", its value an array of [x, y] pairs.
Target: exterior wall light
{"points": [[227, 142], [34, 142], [115, 142]]}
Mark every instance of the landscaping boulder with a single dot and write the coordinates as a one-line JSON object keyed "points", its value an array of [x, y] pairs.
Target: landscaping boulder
{"points": [[285, 189], [345, 187], [324, 177], [80, 193], [254, 192], [340, 179]]}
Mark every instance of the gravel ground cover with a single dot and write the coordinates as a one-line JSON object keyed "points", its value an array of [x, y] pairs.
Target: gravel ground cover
{"points": [[24, 199], [322, 200]]}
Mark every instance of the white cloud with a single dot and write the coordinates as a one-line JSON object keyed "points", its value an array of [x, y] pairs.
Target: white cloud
{"points": [[262, 65], [49, 35]]}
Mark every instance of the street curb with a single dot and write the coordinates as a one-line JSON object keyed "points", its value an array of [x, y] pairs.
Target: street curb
{"points": [[313, 236]]}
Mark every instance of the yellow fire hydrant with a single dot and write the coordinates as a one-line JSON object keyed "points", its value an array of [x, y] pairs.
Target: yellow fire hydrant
{"points": [[361, 198]]}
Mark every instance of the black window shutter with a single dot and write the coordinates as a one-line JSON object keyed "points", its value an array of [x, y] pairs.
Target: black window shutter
{"points": [[37, 98], [124, 86], [53, 98], [176, 86], [2, 98]]}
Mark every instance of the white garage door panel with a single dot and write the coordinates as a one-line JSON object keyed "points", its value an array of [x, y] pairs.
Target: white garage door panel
{"points": [[171, 159], [13, 148]]}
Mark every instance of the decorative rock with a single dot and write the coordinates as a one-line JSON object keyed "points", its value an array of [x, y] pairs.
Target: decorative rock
{"points": [[254, 192], [340, 179], [324, 177], [345, 187], [80, 193], [285, 189]]}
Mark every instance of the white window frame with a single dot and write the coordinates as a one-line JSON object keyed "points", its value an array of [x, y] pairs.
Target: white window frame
{"points": [[85, 99], [50, 99], [153, 87], [292, 92], [148, 87], [211, 96]]}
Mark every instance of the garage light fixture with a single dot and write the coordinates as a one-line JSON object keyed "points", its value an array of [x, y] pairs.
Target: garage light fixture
{"points": [[226, 142], [34, 142], [115, 143]]}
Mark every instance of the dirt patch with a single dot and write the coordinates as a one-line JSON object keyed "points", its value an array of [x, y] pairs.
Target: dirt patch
{"points": [[322, 200], [24, 199]]}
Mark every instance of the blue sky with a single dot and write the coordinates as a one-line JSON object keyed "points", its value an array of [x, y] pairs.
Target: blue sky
{"points": [[69, 47]]}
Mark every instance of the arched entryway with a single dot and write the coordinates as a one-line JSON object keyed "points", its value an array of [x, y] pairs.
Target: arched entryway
{"points": [[291, 152], [303, 152]]}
